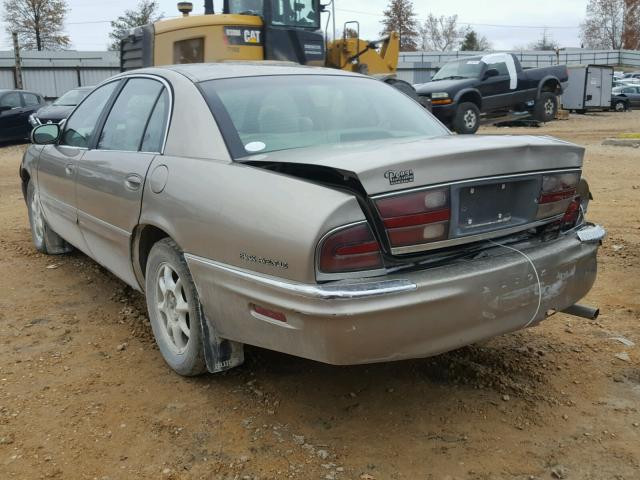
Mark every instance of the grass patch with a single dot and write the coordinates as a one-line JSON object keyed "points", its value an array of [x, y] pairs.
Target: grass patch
{"points": [[629, 135]]}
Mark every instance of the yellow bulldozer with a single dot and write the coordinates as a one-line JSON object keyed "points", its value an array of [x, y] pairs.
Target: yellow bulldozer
{"points": [[256, 30]]}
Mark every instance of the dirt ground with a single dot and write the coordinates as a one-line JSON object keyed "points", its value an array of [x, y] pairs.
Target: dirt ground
{"points": [[84, 394]]}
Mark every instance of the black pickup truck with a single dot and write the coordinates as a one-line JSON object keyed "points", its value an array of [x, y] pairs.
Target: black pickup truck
{"points": [[465, 88]]}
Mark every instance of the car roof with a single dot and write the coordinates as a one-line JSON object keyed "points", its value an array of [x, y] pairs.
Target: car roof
{"points": [[7, 90], [200, 72]]}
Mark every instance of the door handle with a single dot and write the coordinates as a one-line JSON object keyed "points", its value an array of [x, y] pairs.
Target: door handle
{"points": [[133, 181], [68, 168]]}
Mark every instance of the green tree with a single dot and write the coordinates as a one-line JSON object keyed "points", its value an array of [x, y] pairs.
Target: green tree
{"points": [[146, 12], [474, 43], [400, 17], [39, 23]]}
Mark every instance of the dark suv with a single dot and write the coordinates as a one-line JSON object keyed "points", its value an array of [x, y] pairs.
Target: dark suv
{"points": [[15, 108]]}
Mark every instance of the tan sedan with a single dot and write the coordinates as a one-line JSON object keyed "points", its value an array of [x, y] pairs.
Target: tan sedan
{"points": [[309, 211]]}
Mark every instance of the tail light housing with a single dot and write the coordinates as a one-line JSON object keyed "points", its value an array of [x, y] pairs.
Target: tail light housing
{"points": [[350, 249], [556, 193], [415, 218]]}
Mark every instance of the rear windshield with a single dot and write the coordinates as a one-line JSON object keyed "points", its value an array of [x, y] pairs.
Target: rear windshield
{"points": [[265, 114]]}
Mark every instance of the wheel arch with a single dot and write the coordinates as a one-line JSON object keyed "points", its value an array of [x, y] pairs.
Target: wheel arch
{"points": [[25, 176], [144, 237], [549, 84], [470, 95]]}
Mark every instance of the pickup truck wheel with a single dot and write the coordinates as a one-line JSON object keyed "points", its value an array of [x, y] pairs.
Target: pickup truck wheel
{"points": [[44, 238], [467, 118], [546, 107], [174, 309]]}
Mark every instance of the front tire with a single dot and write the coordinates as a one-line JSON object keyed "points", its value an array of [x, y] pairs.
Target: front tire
{"points": [[546, 107], [44, 238], [174, 309], [467, 118]]}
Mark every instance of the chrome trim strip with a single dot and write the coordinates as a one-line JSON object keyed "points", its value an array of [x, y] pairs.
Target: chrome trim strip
{"points": [[473, 180], [422, 247], [322, 292]]}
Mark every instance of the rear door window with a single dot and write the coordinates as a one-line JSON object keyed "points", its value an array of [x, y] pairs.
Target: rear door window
{"points": [[154, 134], [127, 120]]}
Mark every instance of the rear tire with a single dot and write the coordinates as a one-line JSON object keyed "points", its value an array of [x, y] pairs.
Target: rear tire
{"points": [[174, 309], [44, 238], [546, 107], [467, 118], [619, 106]]}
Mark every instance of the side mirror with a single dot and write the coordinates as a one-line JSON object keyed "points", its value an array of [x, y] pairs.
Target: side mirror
{"points": [[45, 134], [4, 108], [492, 72]]}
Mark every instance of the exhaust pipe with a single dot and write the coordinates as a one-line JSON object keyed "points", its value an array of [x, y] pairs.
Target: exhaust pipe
{"points": [[583, 311]]}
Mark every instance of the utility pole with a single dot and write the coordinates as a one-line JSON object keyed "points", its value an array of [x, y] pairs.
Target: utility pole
{"points": [[16, 54]]}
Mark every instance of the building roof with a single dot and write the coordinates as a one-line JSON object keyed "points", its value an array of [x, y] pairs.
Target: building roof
{"points": [[62, 58]]}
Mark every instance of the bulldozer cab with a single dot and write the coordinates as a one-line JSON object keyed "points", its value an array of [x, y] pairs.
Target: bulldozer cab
{"points": [[253, 30]]}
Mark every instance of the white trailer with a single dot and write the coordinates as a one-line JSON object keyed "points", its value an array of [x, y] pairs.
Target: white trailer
{"points": [[589, 88]]}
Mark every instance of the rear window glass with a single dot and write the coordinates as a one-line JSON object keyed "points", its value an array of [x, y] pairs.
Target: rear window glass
{"points": [[265, 114]]}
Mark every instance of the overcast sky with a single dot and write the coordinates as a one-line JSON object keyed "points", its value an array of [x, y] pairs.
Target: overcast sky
{"points": [[507, 24]]}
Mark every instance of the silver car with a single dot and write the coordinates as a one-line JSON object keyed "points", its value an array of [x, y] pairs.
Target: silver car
{"points": [[310, 211]]}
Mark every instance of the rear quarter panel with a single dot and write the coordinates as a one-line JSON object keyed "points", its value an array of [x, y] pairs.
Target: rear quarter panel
{"points": [[246, 216]]}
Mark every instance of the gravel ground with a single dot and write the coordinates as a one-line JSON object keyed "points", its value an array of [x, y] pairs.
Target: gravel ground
{"points": [[85, 394]]}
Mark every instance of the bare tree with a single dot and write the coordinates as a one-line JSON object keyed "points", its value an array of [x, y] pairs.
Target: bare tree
{"points": [[441, 33], [612, 24], [39, 23], [473, 42], [631, 36], [546, 42], [146, 12], [399, 17]]}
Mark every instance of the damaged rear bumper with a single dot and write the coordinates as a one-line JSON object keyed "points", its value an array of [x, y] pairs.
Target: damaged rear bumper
{"points": [[406, 315]]}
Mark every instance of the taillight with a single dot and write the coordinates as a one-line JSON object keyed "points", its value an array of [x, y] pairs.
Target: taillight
{"points": [[350, 249], [416, 218], [571, 215], [556, 194]]}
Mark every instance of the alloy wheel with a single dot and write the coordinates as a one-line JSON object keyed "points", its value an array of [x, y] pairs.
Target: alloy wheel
{"points": [[469, 119], [548, 107], [173, 308]]}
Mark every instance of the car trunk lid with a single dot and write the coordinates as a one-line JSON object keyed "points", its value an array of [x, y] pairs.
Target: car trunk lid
{"points": [[424, 194]]}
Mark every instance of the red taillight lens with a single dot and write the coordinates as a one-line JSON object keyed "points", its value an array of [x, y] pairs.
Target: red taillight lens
{"points": [[416, 218], [571, 215], [350, 249], [556, 193]]}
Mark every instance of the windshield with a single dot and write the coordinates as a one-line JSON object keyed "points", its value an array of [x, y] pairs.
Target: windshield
{"points": [[265, 114], [467, 68], [295, 13], [71, 98], [247, 7]]}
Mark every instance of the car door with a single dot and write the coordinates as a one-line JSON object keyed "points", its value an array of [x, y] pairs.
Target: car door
{"points": [[57, 165], [495, 91], [634, 96], [111, 176], [10, 115]]}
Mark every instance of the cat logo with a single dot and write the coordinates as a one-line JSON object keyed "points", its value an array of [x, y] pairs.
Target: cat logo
{"points": [[251, 36], [242, 36]]}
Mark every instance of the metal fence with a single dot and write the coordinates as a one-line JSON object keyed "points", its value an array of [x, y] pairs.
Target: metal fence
{"points": [[53, 73], [418, 67]]}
